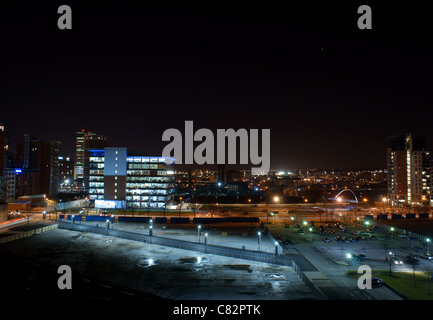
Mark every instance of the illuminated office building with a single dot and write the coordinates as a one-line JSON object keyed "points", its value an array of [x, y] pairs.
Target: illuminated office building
{"points": [[119, 180], [408, 165], [84, 141]]}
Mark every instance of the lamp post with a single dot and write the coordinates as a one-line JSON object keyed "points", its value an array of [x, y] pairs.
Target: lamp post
{"points": [[390, 264], [349, 258], [206, 238], [108, 224], [428, 243], [180, 207], [259, 235], [198, 232], [276, 248]]}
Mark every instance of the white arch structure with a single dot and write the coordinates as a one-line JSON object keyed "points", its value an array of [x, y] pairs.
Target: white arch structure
{"points": [[356, 199]]}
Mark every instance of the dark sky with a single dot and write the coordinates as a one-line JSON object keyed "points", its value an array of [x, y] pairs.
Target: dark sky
{"points": [[330, 93]]}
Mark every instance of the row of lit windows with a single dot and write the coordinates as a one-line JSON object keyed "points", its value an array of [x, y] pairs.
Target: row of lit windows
{"points": [[146, 204], [146, 198], [146, 172], [96, 159], [146, 159], [148, 179], [148, 191], [146, 185], [142, 166]]}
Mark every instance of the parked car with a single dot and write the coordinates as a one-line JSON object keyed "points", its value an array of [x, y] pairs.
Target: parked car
{"points": [[411, 259], [375, 282], [417, 249], [427, 256], [326, 240], [361, 257]]}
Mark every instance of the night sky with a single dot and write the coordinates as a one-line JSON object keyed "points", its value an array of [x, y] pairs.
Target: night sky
{"points": [[330, 93]]}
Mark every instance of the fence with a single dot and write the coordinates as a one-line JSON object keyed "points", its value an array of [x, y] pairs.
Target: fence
{"points": [[407, 233], [180, 244]]}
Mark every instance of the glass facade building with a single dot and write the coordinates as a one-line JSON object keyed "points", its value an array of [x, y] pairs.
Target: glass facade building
{"points": [[139, 181]]}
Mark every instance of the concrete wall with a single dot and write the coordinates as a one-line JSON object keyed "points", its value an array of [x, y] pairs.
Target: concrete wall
{"points": [[27, 233]]}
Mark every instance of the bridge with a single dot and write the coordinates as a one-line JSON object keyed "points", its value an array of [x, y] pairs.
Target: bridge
{"points": [[340, 199]]}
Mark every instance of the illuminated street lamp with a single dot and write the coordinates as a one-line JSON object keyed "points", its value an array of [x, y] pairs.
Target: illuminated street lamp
{"points": [[390, 260], [276, 199], [205, 238], [198, 232], [339, 199], [108, 224], [259, 234], [428, 243], [349, 258]]}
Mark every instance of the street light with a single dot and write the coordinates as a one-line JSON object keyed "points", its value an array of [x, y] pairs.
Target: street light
{"points": [[276, 199], [349, 258], [259, 234], [428, 242], [198, 232], [108, 224], [205, 238], [390, 264]]}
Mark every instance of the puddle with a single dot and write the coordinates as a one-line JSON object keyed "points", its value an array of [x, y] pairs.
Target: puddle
{"points": [[194, 260], [276, 276], [245, 267], [146, 263]]}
